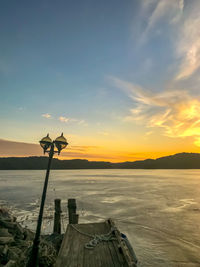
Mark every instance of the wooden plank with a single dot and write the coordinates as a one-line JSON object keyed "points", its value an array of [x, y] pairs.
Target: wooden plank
{"points": [[80, 258], [89, 254], [114, 255], [118, 259], [107, 256], [115, 251], [75, 249], [63, 253]]}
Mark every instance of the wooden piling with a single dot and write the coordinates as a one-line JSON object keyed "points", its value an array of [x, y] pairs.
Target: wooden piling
{"points": [[73, 217], [57, 217]]}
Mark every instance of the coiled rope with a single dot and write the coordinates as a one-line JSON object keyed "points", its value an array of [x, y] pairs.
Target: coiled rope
{"points": [[96, 239]]}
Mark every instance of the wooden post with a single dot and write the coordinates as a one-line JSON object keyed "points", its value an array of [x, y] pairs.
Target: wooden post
{"points": [[73, 217], [57, 219]]}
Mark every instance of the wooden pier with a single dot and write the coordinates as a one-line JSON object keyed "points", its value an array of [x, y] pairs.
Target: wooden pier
{"points": [[94, 245]]}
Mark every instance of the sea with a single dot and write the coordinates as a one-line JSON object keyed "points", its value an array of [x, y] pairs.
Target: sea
{"points": [[158, 210]]}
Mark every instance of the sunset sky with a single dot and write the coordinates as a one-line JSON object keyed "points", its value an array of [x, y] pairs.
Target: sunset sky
{"points": [[119, 78]]}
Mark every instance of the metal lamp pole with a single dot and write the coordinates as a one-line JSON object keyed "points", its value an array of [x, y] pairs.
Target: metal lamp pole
{"points": [[33, 260], [34, 254]]}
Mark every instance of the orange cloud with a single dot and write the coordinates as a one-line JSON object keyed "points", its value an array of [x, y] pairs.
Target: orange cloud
{"points": [[176, 111]]}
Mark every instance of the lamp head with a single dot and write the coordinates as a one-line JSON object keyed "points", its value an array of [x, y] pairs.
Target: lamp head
{"points": [[45, 142], [61, 143]]}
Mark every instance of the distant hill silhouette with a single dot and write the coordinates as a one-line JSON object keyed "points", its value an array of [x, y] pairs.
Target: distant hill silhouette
{"points": [[177, 161]]}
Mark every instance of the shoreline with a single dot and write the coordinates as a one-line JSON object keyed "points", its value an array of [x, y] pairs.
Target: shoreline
{"points": [[16, 242]]}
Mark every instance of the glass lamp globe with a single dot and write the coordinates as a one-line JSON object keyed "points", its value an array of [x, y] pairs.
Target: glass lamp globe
{"points": [[46, 142], [61, 143]]}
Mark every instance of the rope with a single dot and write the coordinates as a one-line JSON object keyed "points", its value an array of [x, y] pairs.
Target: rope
{"points": [[99, 238], [96, 239], [80, 232]]}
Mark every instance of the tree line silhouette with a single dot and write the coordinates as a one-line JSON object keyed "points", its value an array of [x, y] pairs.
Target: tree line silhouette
{"points": [[177, 161]]}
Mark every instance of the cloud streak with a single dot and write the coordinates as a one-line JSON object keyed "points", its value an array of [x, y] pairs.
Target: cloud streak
{"points": [[183, 24], [67, 120], [63, 119], [188, 46], [163, 8], [176, 111], [46, 115], [163, 11]]}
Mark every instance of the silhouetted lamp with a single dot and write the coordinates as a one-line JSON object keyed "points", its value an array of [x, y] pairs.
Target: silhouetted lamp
{"points": [[46, 143], [60, 143], [48, 146]]}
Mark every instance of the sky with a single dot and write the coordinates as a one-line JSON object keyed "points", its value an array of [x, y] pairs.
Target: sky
{"points": [[119, 78]]}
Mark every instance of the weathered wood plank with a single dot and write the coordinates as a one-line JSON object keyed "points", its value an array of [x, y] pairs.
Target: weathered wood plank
{"points": [[88, 254], [81, 250], [64, 250], [116, 252], [74, 249], [106, 255]]}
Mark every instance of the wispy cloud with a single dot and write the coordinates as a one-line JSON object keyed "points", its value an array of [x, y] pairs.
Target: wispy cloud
{"points": [[162, 11], [63, 119], [176, 111], [67, 120], [184, 31], [163, 8], [46, 115], [188, 45], [82, 122]]}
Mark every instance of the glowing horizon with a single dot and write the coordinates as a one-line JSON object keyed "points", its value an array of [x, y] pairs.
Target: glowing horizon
{"points": [[91, 153]]}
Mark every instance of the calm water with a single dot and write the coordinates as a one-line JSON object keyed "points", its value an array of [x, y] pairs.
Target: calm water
{"points": [[159, 210]]}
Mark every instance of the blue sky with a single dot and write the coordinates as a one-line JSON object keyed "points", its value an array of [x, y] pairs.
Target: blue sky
{"points": [[107, 73]]}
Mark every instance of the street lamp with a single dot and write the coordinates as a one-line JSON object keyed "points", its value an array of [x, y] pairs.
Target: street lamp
{"points": [[46, 143]]}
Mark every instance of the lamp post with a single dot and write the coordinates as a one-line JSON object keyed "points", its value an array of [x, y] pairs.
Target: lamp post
{"points": [[46, 143]]}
